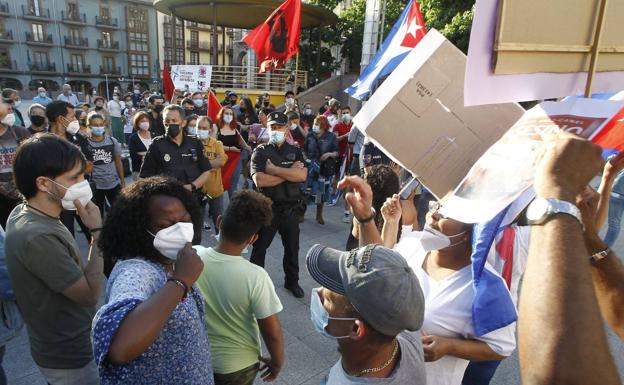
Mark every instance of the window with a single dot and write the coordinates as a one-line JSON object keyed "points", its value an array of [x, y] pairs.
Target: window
{"points": [[75, 34], [168, 56], [37, 32], [194, 38], [5, 57], [194, 57], [105, 13], [77, 63], [138, 41], [34, 8], [179, 55], [107, 40], [137, 19], [40, 59], [139, 64], [72, 11], [108, 64]]}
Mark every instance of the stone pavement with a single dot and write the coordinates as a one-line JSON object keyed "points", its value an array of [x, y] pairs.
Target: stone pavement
{"points": [[309, 356]]}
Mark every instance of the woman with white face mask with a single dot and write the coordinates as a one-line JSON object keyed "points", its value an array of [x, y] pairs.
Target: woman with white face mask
{"points": [[440, 257], [233, 144], [140, 141], [150, 329]]}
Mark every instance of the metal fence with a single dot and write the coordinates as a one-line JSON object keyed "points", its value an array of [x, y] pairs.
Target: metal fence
{"points": [[247, 77]]}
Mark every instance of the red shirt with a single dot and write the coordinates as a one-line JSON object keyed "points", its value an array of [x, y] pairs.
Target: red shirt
{"points": [[342, 129]]}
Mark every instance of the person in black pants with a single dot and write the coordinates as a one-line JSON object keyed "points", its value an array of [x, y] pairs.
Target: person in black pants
{"points": [[277, 169]]}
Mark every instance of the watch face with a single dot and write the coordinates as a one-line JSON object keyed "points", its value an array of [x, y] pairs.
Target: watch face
{"points": [[537, 209]]}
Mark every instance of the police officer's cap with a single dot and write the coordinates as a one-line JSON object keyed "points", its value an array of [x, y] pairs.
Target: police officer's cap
{"points": [[278, 118]]}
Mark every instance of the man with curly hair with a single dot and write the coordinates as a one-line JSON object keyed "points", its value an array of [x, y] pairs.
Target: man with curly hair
{"points": [[239, 310]]}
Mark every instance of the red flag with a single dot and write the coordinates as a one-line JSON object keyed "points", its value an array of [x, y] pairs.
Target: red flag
{"points": [[277, 39], [228, 169], [612, 135], [167, 83], [213, 107]]}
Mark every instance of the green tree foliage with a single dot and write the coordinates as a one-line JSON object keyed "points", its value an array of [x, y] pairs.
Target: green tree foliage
{"points": [[453, 18]]}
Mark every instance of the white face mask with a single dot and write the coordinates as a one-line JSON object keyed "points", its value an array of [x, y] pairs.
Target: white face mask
{"points": [[346, 118], [171, 240], [9, 119], [308, 111], [42, 94], [433, 239], [293, 126], [290, 102], [17, 103], [227, 118], [198, 102], [316, 129], [203, 134], [73, 127], [144, 125], [81, 191], [128, 103]]}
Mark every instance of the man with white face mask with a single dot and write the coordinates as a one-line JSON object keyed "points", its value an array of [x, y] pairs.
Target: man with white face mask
{"points": [[440, 257], [372, 305], [10, 137], [63, 123], [56, 291], [277, 169]]}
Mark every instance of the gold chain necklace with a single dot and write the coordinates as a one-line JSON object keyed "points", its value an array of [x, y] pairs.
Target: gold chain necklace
{"points": [[382, 367]]}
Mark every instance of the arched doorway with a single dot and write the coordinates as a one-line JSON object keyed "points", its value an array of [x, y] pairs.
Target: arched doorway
{"points": [[49, 85], [11, 83], [81, 86], [101, 89]]}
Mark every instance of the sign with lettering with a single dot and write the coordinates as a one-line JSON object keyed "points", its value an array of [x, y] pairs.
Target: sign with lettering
{"points": [[191, 78]]}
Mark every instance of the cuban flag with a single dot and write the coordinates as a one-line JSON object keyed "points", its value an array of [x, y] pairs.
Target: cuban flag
{"points": [[408, 30]]}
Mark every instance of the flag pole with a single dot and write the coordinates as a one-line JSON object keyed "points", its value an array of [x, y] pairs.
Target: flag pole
{"points": [[595, 48], [296, 72]]}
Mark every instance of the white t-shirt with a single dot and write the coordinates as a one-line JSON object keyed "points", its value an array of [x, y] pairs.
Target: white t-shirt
{"points": [[448, 312], [114, 108], [410, 370]]}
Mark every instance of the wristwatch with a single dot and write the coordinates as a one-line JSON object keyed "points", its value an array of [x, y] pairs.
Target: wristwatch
{"points": [[366, 220], [600, 255], [541, 209]]}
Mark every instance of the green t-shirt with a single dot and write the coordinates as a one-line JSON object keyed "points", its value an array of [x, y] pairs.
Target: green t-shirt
{"points": [[43, 260], [236, 293]]}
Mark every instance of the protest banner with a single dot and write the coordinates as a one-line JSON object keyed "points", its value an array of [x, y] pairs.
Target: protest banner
{"points": [[507, 169], [191, 78], [536, 43], [417, 116]]}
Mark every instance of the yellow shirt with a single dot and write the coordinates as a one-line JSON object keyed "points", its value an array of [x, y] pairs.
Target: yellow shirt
{"points": [[214, 185]]}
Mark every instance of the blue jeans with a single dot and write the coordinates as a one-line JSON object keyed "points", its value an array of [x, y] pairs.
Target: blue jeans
{"points": [[616, 208]]}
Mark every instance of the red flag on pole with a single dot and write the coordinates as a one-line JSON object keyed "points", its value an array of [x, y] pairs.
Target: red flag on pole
{"points": [[277, 39], [213, 107], [168, 86]]}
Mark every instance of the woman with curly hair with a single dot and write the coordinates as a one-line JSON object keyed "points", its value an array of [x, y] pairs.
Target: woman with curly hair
{"points": [[150, 329]]}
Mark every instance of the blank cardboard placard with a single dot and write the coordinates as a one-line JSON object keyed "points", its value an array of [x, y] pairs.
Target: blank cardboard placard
{"points": [[417, 116]]}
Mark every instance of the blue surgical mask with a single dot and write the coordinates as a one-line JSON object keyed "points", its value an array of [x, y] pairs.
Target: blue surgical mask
{"points": [[203, 134], [316, 129], [276, 137], [192, 131], [97, 131], [320, 317]]}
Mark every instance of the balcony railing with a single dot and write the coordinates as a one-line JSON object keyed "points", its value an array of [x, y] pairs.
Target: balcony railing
{"points": [[239, 77], [38, 14], [6, 36], [77, 42], [74, 18], [4, 9], [199, 45], [110, 70], [8, 65], [108, 45], [108, 22], [81, 69], [37, 39], [43, 67], [193, 25]]}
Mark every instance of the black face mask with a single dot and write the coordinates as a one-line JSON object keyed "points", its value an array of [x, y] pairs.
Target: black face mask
{"points": [[266, 104], [37, 120], [173, 130], [158, 108], [98, 107]]}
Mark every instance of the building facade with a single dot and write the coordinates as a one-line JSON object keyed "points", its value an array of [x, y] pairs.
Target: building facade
{"points": [[98, 44]]}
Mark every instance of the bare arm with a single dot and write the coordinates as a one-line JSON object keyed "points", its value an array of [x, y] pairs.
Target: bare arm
{"points": [[262, 179], [610, 171], [436, 347], [360, 199], [392, 213], [561, 336], [271, 331], [202, 179]]}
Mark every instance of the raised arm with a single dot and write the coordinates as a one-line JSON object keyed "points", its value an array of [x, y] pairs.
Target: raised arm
{"points": [[611, 169], [360, 199], [561, 336], [391, 212]]}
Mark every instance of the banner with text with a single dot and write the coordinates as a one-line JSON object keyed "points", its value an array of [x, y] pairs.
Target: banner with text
{"points": [[191, 78]]}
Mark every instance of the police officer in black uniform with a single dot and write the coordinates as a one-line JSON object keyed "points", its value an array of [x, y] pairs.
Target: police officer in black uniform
{"points": [[277, 169], [177, 155]]}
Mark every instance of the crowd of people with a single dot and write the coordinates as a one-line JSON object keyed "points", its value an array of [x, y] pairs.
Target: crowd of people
{"points": [[398, 300]]}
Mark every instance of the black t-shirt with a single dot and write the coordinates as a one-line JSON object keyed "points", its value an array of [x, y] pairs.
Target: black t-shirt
{"points": [[157, 127], [185, 162], [372, 155], [81, 141], [284, 156]]}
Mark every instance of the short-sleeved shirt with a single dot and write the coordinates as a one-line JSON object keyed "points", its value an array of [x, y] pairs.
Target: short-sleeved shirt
{"points": [[181, 352], [342, 129], [184, 163], [282, 156], [43, 260], [104, 171], [409, 370], [72, 99], [214, 185], [232, 307], [448, 312]]}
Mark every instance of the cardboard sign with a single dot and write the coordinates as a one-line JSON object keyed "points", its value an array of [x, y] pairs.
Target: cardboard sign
{"points": [[508, 168], [191, 78], [417, 116]]}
